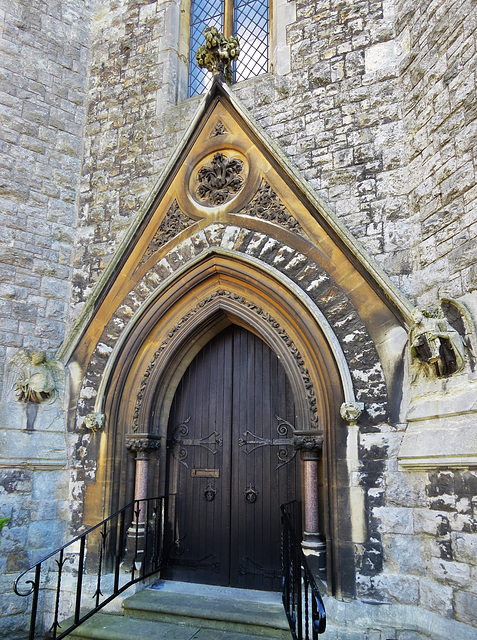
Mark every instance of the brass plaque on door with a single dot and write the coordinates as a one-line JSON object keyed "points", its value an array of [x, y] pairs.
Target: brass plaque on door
{"points": [[205, 473]]}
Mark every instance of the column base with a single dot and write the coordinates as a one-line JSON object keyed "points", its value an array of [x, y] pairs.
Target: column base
{"points": [[314, 546], [134, 556]]}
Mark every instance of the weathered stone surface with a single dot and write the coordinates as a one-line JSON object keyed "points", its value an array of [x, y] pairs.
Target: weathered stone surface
{"points": [[455, 573], [375, 106], [465, 547], [466, 607]]}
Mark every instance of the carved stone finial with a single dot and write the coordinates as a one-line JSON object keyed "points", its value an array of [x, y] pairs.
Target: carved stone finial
{"points": [[218, 52], [94, 421], [351, 411], [434, 342]]}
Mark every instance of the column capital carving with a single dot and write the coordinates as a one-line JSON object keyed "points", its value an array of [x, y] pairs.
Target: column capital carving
{"points": [[310, 442], [142, 443]]}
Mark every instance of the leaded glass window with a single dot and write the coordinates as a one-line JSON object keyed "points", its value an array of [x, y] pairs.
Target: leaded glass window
{"points": [[247, 19]]}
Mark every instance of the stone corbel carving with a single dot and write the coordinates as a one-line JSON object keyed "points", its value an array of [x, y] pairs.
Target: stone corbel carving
{"points": [[351, 412], [94, 421], [218, 52], [435, 344], [34, 378]]}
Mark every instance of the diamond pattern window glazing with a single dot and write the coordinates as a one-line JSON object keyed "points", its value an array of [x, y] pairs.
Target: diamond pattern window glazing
{"points": [[203, 14], [250, 24]]}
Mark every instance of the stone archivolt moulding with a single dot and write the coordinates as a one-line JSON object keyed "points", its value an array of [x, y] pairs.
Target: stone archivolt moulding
{"points": [[221, 293], [348, 328]]}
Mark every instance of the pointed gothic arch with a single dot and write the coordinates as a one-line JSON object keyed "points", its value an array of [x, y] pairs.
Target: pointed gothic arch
{"points": [[263, 253], [215, 293]]}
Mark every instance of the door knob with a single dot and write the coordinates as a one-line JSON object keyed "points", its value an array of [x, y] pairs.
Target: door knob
{"points": [[250, 493]]}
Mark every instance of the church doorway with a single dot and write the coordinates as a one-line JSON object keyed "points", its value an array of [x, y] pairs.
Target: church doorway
{"points": [[231, 463]]}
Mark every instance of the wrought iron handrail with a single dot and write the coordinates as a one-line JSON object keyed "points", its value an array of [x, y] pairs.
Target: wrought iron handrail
{"points": [[126, 547], [301, 597]]}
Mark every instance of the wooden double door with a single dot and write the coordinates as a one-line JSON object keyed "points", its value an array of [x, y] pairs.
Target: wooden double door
{"points": [[231, 464]]}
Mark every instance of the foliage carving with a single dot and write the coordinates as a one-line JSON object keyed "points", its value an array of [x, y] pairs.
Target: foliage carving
{"points": [[218, 53], [268, 206], [220, 180]]}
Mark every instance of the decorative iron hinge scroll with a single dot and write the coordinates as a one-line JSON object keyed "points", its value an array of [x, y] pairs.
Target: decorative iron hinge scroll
{"points": [[285, 443], [179, 442]]}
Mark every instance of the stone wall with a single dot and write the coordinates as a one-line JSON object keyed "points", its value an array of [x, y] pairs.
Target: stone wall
{"points": [[44, 52], [127, 137], [378, 112], [440, 123]]}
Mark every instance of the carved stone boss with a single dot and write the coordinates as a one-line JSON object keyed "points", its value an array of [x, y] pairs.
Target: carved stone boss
{"points": [[221, 180]]}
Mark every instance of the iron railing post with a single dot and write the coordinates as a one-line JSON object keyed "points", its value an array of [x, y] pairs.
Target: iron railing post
{"points": [[299, 586]]}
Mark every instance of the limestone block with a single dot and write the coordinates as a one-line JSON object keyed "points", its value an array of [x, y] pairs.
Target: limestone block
{"points": [[441, 430], [41, 449], [405, 489], [436, 597], [465, 605], [394, 520], [465, 547], [427, 521], [397, 588], [404, 554], [15, 481], [455, 573]]}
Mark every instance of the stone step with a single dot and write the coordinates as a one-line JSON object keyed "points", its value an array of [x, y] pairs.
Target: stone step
{"points": [[182, 611], [238, 610], [107, 626]]}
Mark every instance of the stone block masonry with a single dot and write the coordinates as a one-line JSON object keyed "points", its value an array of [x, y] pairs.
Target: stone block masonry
{"points": [[377, 110], [44, 55], [440, 123]]}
